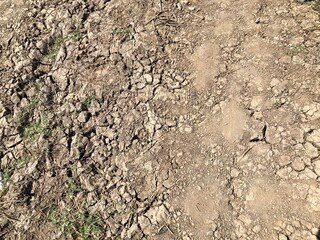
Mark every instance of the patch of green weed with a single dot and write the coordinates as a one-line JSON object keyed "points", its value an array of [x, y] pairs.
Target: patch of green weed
{"points": [[25, 114], [316, 5], [23, 161], [7, 173], [88, 100], [73, 187], [83, 225], [6, 179], [34, 130], [123, 33], [76, 35], [55, 47], [298, 48]]}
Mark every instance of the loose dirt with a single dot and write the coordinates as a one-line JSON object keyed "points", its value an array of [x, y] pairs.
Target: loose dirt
{"points": [[160, 119]]}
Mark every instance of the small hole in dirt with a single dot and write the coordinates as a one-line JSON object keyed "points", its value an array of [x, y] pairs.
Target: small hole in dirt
{"points": [[86, 214], [135, 137], [53, 174], [94, 169], [28, 188], [69, 172]]}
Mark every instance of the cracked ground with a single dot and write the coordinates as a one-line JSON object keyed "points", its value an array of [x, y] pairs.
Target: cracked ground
{"points": [[160, 119]]}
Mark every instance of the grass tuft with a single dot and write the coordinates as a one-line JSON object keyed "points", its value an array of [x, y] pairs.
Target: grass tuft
{"points": [[55, 47], [88, 100], [83, 225], [73, 187], [34, 130]]}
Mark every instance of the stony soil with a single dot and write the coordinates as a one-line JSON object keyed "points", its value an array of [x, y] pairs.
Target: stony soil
{"points": [[160, 119]]}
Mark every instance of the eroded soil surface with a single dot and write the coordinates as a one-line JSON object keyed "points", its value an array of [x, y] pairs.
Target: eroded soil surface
{"points": [[160, 119]]}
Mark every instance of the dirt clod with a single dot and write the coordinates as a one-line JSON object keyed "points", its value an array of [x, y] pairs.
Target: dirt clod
{"points": [[159, 120]]}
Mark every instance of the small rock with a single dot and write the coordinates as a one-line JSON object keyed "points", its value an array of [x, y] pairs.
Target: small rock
{"points": [[257, 102], [256, 229], [174, 85], [141, 85], [314, 138], [217, 235], [83, 117], [35, 54], [209, 103], [171, 122], [311, 109], [145, 224], [42, 45], [282, 237], [314, 231], [317, 167], [162, 214], [168, 183], [308, 174], [298, 164], [311, 151], [132, 230], [188, 129], [162, 230], [15, 98], [2, 110], [148, 78], [274, 82], [284, 160], [66, 121], [60, 76], [234, 172], [158, 215], [284, 172], [210, 233], [148, 166]]}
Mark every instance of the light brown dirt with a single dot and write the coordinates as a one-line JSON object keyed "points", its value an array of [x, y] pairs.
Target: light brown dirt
{"points": [[172, 119]]}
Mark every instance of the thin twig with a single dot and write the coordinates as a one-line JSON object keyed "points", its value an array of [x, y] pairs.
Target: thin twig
{"points": [[169, 230], [10, 218], [245, 153]]}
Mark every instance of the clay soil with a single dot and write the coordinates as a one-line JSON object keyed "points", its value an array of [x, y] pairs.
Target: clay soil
{"points": [[160, 119]]}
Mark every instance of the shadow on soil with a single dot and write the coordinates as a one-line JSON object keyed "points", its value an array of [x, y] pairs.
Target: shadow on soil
{"points": [[318, 235]]}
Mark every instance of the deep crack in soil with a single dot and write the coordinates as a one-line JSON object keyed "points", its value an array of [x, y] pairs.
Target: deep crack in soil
{"points": [[161, 119]]}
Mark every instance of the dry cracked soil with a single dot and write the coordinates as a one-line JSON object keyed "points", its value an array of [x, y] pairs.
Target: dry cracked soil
{"points": [[160, 119]]}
